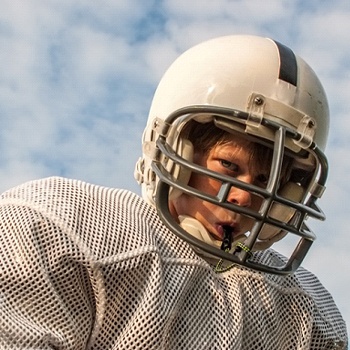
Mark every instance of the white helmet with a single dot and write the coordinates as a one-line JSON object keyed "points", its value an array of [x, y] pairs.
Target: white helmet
{"points": [[260, 88]]}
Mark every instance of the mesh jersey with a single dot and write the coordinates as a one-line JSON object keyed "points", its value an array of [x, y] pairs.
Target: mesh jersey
{"points": [[84, 266]]}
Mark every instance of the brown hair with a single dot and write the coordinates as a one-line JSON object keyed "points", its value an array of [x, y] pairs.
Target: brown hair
{"points": [[206, 136]]}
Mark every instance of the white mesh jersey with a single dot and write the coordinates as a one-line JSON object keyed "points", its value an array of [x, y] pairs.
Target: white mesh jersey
{"points": [[84, 266]]}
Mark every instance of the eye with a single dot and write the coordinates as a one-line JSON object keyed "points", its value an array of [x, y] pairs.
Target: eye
{"points": [[229, 165], [262, 179]]}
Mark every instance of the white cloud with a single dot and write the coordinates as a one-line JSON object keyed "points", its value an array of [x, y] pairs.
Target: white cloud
{"points": [[256, 11], [77, 78]]}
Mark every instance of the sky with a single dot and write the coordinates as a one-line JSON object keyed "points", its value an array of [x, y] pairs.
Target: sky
{"points": [[77, 79]]}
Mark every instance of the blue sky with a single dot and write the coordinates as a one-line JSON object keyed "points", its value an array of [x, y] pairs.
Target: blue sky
{"points": [[77, 78]]}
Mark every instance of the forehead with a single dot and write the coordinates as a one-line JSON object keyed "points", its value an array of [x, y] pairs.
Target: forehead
{"points": [[234, 143], [208, 138]]}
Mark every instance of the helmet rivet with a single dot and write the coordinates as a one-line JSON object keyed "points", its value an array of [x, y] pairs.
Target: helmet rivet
{"points": [[258, 100], [311, 123]]}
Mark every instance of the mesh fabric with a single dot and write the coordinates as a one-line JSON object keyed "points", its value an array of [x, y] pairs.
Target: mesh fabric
{"points": [[83, 266]]}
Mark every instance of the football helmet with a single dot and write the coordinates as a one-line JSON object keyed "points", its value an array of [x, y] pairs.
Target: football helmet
{"points": [[259, 88]]}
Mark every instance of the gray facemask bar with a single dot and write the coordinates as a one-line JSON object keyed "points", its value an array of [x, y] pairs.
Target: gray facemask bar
{"points": [[269, 195]]}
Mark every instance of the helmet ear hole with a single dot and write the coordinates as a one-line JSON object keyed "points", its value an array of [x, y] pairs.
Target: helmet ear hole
{"points": [[184, 148]]}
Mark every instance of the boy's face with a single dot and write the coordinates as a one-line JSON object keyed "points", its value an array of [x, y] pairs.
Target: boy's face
{"points": [[232, 158]]}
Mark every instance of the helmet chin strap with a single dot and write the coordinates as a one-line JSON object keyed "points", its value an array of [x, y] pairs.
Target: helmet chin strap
{"points": [[197, 230]]}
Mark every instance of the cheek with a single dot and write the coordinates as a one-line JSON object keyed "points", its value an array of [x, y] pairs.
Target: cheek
{"points": [[194, 207], [184, 205], [204, 184], [256, 202]]}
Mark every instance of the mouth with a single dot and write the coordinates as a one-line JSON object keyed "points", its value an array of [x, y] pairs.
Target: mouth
{"points": [[224, 229]]}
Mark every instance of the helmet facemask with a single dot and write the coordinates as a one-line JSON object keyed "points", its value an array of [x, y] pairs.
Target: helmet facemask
{"points": [[286, 201]]}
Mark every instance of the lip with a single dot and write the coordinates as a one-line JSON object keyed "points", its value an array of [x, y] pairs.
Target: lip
{"points": [[219, 230]]}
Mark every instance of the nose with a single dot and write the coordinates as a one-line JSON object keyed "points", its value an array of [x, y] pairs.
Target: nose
{"points": [[239, 196]]}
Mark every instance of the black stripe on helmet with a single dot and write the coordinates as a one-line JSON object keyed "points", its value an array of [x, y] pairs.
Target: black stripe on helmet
{"points": [[288, 64]]}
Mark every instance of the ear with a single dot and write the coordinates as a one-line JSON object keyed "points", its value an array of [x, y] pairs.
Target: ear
{"points": [[281, 212], [184, 149]]}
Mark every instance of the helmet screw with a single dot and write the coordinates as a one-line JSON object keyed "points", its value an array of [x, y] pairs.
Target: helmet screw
{"points": [[311, 123], [258, 100]]}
